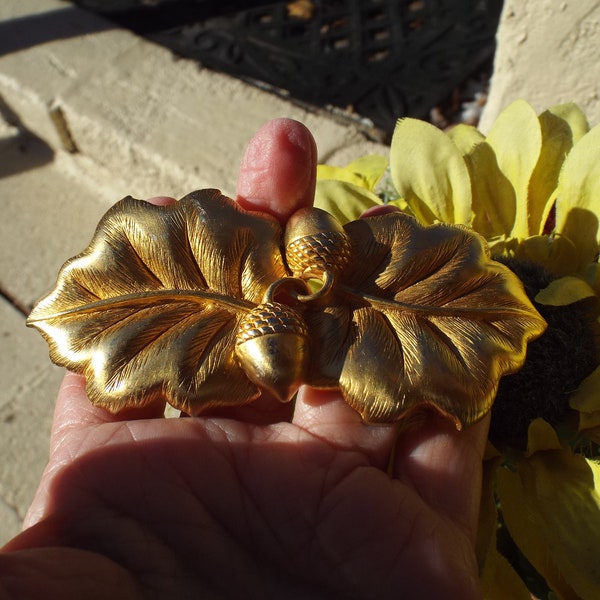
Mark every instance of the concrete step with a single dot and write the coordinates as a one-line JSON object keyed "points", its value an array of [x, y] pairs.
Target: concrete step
{"points": [[29, 383]]}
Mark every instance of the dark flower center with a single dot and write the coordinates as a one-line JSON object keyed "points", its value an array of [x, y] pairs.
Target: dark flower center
{"points": [[556, 362]]}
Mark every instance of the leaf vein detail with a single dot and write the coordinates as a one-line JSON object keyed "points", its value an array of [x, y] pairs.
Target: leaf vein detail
{"points": [[236, 305]]}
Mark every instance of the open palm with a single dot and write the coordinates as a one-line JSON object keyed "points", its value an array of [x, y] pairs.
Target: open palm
{"points": [[268, 501]]}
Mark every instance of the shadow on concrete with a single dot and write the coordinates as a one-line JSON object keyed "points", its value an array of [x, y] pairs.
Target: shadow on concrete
{"points": [[23, 152], [25, 32]]}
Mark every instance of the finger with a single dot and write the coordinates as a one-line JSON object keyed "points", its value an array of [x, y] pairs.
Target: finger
{"points": [[75, 418], [381, 209], [277, 176], [278, 170], [73, 408], [162, 200], [327, 416], [60, 572], [444, 466]]}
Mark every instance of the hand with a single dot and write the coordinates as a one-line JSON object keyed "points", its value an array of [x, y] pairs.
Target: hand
{"points": [[256, 502]]}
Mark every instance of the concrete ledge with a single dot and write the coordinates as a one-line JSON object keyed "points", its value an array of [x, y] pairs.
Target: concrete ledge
{"points": [[44, 47], [9, 135], [164, 125], [175, 124], [50, 212]]}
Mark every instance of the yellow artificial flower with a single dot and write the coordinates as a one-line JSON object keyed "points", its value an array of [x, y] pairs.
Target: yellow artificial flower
{"points": [[355, 182], [549, 504], [531, 187]]}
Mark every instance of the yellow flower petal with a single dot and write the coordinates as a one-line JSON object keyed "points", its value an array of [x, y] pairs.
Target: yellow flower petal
{"points": [[593, 433], [498, 579], [494, 201], [371, 168], [493, 197], [541, 436], [574, 116], [564, 291], [557, 140], [402, 204], [525, 525], [430, 173], [516, 139], [592, 275], [503, 246], [344, 200], [551, 507], [328, 172], [587, 397], [586, 400], [589, 425], [578, 197], [364, 172], [555, 253], [465, 137], [488, 515]]}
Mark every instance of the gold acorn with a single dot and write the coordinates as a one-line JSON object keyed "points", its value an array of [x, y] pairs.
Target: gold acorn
{"points": [[316, 243], [272, 347]]}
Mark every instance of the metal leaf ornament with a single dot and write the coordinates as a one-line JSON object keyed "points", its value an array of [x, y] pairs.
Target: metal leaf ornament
{"points": [[205, 304]]}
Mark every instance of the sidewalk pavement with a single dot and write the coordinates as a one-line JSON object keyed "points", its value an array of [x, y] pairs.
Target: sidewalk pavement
{"points": [[88, 114]]}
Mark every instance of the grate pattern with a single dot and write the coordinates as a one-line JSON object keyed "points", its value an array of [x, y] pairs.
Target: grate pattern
{"points": [[378, 59]]}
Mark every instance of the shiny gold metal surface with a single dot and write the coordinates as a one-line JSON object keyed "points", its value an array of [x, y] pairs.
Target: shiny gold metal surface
{"points": [[272, 347], [315, 243], [196, 304]]}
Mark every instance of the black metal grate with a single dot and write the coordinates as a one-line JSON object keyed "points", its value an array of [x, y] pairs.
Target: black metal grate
{"points": [[379, 59]]}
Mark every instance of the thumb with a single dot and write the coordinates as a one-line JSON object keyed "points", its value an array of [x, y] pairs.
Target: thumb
{"points": [[278, 172]]}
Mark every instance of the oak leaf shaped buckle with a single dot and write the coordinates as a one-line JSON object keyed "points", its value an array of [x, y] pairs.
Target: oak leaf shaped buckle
{"points": [[205, 304]]}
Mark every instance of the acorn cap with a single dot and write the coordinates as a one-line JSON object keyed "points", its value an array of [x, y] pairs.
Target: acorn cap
{"points": [[315, 243], [272, 347]]}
